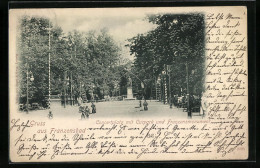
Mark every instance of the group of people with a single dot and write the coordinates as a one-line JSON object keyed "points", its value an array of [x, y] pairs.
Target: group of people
{"points": [[196, 103], [85, 111]]}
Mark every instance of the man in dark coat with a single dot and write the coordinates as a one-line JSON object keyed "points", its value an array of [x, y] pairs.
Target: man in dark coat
{"points": [[93, 108], [145, 105]]}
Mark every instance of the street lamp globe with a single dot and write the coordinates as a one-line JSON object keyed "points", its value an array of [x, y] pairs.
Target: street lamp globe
{"points": [[32, 78], [175, 21], [163, 72]]}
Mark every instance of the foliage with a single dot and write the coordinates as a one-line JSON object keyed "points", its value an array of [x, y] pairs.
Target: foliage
{"points": [[178, 40], [89, 59], [89, 62]]}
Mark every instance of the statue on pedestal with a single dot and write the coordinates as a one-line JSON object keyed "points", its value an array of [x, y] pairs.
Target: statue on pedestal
{"points": [[129, 89], [129, 83]]}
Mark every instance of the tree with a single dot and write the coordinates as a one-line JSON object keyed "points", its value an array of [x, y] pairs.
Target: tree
{"points": [[178, 40], [33, 58]]}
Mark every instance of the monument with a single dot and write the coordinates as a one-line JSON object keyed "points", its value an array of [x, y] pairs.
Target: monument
{"points": [[129, 90]]}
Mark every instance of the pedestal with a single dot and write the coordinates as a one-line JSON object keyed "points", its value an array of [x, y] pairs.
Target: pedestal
{"points": [[129, 94]]}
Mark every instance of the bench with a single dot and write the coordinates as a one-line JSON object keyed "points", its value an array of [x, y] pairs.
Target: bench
{"points": [[35, 106]]}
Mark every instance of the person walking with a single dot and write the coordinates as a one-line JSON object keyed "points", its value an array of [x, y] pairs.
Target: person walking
{"points": [[93, 106], [81, 110], [145, 105], [86, 112], [50, 115]]}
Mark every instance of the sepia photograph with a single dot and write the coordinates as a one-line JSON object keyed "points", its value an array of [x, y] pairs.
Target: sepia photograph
{"points": [[111, 65], [128, 84]]}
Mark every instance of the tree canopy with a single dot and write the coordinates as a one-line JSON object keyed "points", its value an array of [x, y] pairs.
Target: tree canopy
{"points": [[177, 40], [90, 59]]}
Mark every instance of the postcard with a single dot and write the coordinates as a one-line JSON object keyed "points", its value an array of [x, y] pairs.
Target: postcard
{"points": [[128, 84]]}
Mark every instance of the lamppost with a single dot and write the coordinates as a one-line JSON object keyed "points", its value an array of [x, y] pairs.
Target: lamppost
{"points": [[80, 89], [165, 100], [155, 84], [188, 93], [159, 83], [169, 77], [49, 63], [27, 79], [65, 85], [27, 91], [187, 82], [73, 43], [71, 97], [93, 87], [80, 92]]}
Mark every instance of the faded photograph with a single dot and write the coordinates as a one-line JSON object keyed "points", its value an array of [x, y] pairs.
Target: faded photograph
{"points": [[128, 84], [111, 65]]}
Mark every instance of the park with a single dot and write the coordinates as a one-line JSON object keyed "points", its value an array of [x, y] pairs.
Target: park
{"points": [[89, 72]]}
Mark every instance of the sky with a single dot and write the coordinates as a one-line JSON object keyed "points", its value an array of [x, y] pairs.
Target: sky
{"points": [[121, 26], [121, 23]]}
